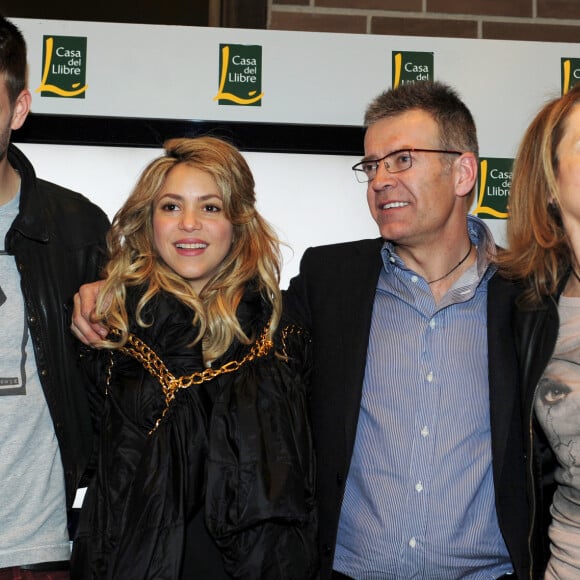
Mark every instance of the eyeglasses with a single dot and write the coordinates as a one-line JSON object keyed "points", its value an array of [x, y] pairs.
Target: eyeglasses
{"points": [[395, 162]]}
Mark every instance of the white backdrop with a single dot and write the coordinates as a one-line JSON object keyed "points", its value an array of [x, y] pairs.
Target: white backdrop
{"points": [[309, 199], [307, 78]]}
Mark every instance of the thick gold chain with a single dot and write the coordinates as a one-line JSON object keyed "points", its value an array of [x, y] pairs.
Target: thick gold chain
{"points": [[170, 384]]}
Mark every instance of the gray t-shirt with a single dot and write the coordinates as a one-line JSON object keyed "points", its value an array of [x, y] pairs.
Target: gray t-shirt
{"points": [[557, 407], [33, 522]]}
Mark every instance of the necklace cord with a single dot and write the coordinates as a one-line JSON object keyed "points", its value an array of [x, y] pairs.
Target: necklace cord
{"points": [[454, 267]]}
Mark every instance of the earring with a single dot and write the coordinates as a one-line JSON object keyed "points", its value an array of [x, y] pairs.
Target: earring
{"points": [[554, 212]]}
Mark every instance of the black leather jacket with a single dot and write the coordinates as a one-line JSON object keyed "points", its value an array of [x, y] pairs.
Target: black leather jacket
{"points": [[58, 241], [223, 487], [535, 333]]}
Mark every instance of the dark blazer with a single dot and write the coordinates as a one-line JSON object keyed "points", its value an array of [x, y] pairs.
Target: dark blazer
{"points": [[333, 296]]}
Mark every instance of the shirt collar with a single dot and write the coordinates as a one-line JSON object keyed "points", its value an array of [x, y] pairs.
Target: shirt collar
{"points": [[479, 234]]}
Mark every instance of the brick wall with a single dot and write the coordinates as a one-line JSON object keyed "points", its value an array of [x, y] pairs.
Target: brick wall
{"points": [[538, 20]]}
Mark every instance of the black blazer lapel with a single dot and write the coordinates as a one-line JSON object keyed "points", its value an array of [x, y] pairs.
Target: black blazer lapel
{"points": [[502, 365], [356, 299]]}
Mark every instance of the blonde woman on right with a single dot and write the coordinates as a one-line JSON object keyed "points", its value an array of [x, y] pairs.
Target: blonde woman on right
{"points": [[544, 258]]}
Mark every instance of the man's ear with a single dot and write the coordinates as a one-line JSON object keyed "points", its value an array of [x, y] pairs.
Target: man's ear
{"points": [[466, 174], [21, 109]]}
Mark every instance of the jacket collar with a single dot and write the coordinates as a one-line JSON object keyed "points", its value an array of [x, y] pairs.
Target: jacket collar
{"points": [[31, 221]]}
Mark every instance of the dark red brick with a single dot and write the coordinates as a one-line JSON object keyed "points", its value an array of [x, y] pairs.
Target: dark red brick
{"points": [[293, 2], [520, 8], [424, 27], [317, 22], [537, 32], [569, 9], [408, 5]]}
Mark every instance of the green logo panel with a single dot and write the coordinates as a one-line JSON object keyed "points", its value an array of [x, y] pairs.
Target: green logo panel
{"points": [[64, 67], [410, 67], [495, 179], [240, 75], [569, 73]]}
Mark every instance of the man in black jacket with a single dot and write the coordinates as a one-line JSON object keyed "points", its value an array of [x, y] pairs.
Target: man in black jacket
{"points": [[53, 240], [414, 391]]}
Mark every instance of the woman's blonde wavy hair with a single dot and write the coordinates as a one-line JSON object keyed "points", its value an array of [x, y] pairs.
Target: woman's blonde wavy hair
{"points": [[133, 259], [538, 248]]}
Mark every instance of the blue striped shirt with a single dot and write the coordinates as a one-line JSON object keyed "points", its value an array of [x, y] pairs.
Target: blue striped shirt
{"points": [[419, 497]]}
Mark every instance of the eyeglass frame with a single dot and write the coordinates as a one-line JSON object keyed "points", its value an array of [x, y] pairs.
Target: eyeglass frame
{"points": [[359, 172]]}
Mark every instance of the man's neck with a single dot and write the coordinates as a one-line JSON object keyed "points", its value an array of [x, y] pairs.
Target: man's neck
{"points": [[440, 263], [9, 182]]}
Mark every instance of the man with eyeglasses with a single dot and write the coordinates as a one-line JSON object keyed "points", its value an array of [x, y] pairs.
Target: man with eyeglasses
{"points": [[413, 394], [414, 402]]}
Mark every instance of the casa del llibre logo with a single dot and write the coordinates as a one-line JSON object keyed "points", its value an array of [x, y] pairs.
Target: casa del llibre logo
{"points": [[569, 73], [240, 75], [64, 67], [410, 67], [495, 179]]}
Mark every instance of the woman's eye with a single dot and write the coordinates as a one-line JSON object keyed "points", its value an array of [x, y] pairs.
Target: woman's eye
{"points": [[552, 392], [212, 208], [169, 207]]}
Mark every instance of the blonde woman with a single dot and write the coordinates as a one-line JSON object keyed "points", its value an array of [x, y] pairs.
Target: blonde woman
{"points": [[544, 256], [205, 466]]}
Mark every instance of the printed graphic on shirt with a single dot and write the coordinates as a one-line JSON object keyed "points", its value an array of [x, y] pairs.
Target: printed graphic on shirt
{"points": [[558, 399], [410, 67], [240, 75], [495, 179], [15, 330], [570, 73], [64, 67], [556, 406]]}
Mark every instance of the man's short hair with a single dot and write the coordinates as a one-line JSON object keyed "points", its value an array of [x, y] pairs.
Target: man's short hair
{"points": [[456, 125], [12, 58]]}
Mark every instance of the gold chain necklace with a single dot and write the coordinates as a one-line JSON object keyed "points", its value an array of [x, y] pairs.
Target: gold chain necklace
{"points": [[170, 384]]}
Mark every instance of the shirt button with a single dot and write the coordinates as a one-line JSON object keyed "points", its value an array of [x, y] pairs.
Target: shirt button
{"points": [[414, 279], [432, 323], [429, 377], [425, 431], [419, 487], [412, 542]]}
